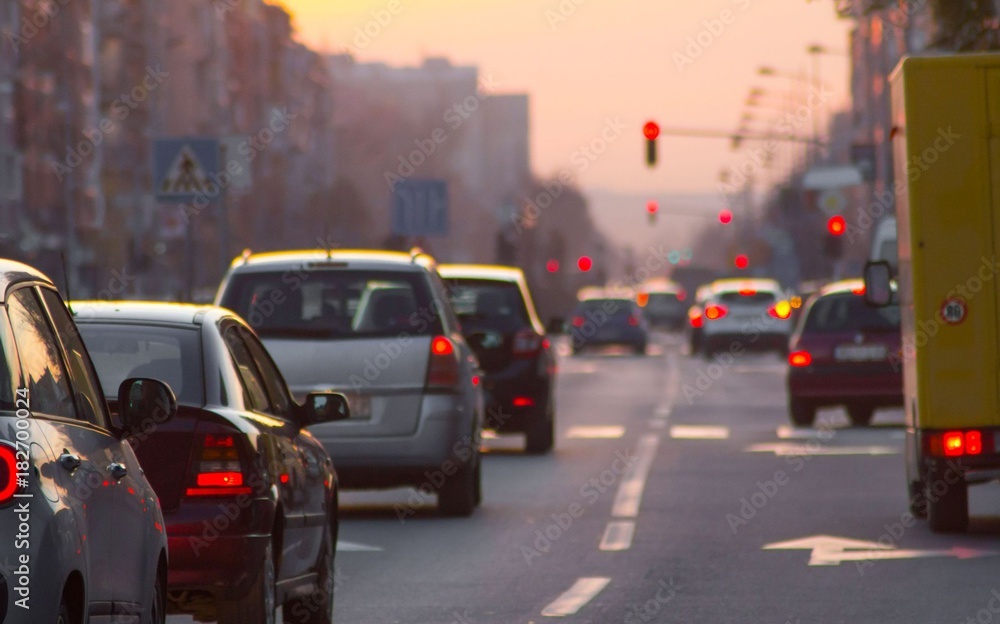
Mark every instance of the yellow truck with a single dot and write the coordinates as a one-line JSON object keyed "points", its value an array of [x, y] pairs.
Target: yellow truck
{"points": [[946, 146]]}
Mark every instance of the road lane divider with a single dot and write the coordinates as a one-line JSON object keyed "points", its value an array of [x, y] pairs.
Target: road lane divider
{"points": [[699, 432], [618, 535], [597, 432], [629, 495], [576, 597]]}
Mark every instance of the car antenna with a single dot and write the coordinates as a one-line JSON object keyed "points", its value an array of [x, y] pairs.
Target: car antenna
{"points": [[62, 255]]}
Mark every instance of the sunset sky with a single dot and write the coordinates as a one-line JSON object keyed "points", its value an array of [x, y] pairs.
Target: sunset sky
{"points": [[585, 62]]}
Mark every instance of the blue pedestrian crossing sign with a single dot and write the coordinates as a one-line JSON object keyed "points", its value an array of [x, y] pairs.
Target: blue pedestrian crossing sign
{"points": [[186, 168]]}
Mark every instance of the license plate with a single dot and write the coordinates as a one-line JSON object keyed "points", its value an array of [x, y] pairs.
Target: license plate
{"points": [[361, 406], [859, 353]]}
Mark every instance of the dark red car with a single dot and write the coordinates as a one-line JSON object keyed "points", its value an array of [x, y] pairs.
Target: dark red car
{"points": [[844, 352], [249, 496]]}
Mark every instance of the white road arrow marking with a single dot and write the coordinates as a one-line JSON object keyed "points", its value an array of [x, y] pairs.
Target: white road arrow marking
{"points": [[828, 550], [343, 546]]}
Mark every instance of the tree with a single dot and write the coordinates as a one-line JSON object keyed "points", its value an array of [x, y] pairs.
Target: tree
{"points": [[961, 25]]}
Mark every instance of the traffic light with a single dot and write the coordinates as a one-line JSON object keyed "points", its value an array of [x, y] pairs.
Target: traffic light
{"points": [[836, 225], [552, 265], [725, 216], [652, 209], [584, 263], [741, 261], [833, 244], [651, 130]]}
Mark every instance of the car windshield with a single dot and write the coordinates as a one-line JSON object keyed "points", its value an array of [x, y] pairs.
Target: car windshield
{"points": [[487, 304], [334, 304], [169, 354], [850, 312], [663, 301], [746, 297]]}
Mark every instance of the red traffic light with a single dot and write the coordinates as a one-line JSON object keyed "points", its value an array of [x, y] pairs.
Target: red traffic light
{"points": [[836, 225], [651, 130], [741, 261], [652, 207], [584, 263], [552, 266], [725, 216]]}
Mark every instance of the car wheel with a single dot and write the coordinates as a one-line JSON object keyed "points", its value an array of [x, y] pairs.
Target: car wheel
{"points": [[259, 606], [918, 499], [541, 435], [317, 607], [457, 496], [947, 507], [64, 616], [158, 608], [802, 412], [860, 414]]}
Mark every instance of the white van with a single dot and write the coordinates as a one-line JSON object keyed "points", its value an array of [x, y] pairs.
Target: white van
{"points": [[884, 242]]}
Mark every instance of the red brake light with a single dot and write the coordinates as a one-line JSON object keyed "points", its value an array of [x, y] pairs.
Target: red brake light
{"points": [[218, 470], [694, 317], [578, 321], [973, 443], [860, 290], [715, 312], [954, 443], [682, 295], [958, 443], [780, 310], [523, 401], [8, 473], [633, 321], [442, 369], [748, 292], [800, 358]]}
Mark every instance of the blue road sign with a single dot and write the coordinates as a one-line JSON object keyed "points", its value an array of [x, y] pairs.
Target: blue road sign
{"points": [[185, 168], [420, 208]]}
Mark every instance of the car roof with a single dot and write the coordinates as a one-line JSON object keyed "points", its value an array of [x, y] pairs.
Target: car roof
{"points": [[855, 286], [147, 312], [742, 283], [481, 271], [12, 272], [335, 258]]}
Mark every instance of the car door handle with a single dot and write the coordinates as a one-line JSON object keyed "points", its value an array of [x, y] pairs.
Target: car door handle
{"points": [[117, 471], [69, 461]]}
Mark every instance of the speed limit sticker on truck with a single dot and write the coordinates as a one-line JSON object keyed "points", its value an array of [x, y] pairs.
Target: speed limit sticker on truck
{"points": [[953, 311]]}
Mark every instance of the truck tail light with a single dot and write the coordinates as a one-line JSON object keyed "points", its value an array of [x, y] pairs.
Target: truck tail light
{"points": [[442, 369], [218, 470], [957, 443]]}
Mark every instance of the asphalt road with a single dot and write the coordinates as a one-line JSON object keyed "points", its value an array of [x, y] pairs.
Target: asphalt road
{"points": [[677, 493]]}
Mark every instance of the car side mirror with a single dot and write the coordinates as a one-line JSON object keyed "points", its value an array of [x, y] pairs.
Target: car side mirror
{"points": [[878, 283], [557, 325], [143, 404], [322, 407]]}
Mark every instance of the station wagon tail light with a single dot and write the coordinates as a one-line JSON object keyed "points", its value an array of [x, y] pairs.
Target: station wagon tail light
{"points": [[957, 443], [442, 369], [526, 343], [715, 312], [218, 471], [8, 473], [800, 358], [780, 310]]}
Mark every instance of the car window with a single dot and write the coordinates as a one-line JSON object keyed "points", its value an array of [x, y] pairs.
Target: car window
{"points": [[614, 307], [254, 389], [849, 312], [84, 378], [274, 383], [334, 304], [9, 367], [487, 303], [746, 297], [41, 364], [169, 354]]}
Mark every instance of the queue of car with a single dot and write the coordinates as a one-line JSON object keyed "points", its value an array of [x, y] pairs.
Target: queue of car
{"points": [[202, 480]]}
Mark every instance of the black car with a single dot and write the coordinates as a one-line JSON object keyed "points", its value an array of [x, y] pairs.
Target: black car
{"points": [[82, 529], [600, 321], [499, 321], [249, 496]]}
